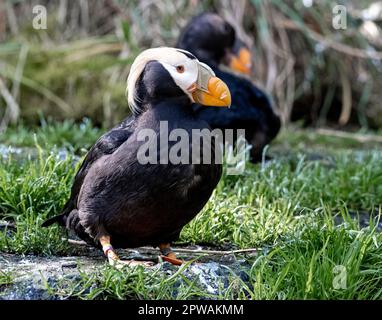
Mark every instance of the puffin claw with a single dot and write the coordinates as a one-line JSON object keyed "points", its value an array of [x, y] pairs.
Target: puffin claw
{"points": [[115, 261]]}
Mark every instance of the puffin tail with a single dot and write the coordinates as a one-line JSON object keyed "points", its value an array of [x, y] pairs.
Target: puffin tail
{"points": [[60, 218], [56, 219]]}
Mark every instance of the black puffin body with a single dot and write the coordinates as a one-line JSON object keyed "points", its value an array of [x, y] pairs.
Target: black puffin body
{"points": [[213, 41], [131, 203], [146, 204]]}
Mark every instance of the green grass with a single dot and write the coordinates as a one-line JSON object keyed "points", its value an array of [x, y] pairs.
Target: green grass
{"points": [[307, 266], [29, 192], [310, 140], [133, 283], [286, 207], [6, 278], [66, 134], [304, 267]]}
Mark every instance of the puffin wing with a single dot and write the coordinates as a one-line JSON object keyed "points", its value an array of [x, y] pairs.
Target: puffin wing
{"points": [[106, 144]]}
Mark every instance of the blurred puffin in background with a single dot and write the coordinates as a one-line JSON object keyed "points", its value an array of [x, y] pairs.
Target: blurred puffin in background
{"points": [[213, 41], [118, 202]]}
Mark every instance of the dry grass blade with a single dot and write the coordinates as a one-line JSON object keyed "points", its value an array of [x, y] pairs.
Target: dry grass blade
{"points": [[12, 111], [340, 47], [354, 136], [346, 98], [19, 71], [95, 50]]}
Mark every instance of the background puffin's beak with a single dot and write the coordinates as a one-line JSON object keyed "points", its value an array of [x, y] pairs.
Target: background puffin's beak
{"points": [[241, 61], [217, 94]]}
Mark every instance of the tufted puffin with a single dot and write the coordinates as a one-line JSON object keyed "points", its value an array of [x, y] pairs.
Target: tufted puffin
{"points": [[117, 201], [213, 40]]}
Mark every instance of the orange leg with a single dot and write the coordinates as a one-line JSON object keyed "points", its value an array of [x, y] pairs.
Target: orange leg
{"points": [[113, 258], [168, 255]]}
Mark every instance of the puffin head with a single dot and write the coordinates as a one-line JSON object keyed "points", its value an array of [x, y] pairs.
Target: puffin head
{"points": [[166, 73], [213, 40]]}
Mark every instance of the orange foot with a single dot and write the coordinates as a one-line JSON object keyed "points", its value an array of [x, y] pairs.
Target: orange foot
{"points": [[168, 255], [113, 258]]}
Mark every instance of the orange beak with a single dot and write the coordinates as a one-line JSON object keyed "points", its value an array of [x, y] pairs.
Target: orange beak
{"points": [[242, 61], [217, 94], [208, 90]]}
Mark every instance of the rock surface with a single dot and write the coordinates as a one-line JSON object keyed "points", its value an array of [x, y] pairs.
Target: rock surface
{"points": [[33, 275]]}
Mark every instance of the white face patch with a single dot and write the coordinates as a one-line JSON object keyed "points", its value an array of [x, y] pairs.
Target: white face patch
{"points": [[188, 74], [182, 69]]}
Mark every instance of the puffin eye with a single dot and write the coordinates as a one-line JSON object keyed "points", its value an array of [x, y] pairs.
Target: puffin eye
{"points": [[180, 69]]}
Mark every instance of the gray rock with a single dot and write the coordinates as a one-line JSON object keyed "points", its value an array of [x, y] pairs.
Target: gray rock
{"points": [[34, 276]]}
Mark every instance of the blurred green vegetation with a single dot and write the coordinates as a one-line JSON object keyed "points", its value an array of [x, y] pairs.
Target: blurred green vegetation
{"points": [[73, 136], [78, 66]]}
